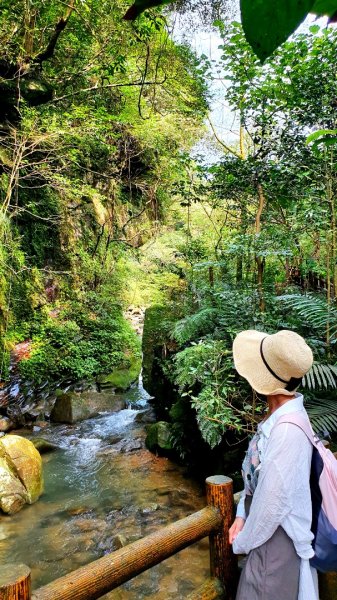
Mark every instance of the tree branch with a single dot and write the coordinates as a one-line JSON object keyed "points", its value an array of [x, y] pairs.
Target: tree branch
{"points": [[230, 150], [59, 27], [110, 85]]}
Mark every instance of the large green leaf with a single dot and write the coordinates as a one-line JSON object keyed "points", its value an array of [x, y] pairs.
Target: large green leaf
{"points": [[325, 7], [267, 23], [321, 133]]}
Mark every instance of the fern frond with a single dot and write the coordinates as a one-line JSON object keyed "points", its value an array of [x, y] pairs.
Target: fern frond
{"points": [[192, 326], [314, 310], [320, 377], [323, 414]]}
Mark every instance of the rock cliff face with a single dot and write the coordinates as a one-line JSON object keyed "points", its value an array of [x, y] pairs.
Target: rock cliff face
{"points": [[21, 480]]}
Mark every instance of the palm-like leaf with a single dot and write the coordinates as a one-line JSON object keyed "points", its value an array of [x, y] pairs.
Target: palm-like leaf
{"points": [[320, 377], [323, 414], [314, 310]]}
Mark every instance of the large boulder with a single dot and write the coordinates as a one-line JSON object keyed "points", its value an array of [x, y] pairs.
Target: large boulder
{"points": [[103, 401], [71, 408], [21, 480], [159, 437]]}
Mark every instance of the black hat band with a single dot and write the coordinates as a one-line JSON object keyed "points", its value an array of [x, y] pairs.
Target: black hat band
{"points": [[293, 381]]}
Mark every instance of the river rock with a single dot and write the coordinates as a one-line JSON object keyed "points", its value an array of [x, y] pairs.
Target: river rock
{"points": [[146, 416], [6, 424], [118, 541], [70, 407], [159, 436], [43, 445], [103, 401], [128, 445], [12, 492], [20, 473]]}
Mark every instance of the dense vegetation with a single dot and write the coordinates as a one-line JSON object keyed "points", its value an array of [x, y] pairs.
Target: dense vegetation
{"points": [[96, 116], [270, 261], [103, 207]]}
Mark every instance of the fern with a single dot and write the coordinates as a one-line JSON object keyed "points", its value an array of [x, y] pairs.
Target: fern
{"points": [[323, 414], [314, 310], [320, 377], [193, 326]]}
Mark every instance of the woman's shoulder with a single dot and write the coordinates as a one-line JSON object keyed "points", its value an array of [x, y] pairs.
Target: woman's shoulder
{"points": [[290, 430]]}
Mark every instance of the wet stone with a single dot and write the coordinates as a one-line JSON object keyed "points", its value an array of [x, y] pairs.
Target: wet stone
{"points": [[130, 445], [150, 508], [181, 498], [90, 524], [43, 445], [119, 541], [80, 510], [6, 424]]}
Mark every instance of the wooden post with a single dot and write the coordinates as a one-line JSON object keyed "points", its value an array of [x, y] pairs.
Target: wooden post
{"points": [[15, 582], [219, 493]]}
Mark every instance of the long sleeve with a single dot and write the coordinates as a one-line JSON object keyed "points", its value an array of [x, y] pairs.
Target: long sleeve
{"points": [[283, 478], [240, 509]]}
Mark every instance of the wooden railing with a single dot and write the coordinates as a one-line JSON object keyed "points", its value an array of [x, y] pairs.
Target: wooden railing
{"points": [[103, 575]]}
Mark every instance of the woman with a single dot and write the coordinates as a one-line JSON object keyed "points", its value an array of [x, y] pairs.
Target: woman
{"points": [[273, 517]]}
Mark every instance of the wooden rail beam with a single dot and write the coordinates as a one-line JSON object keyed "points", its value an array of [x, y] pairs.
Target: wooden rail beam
{"points": [[105, 574]]}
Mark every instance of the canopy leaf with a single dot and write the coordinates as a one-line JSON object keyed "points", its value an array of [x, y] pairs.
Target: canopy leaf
{"points": [[268, 24]]}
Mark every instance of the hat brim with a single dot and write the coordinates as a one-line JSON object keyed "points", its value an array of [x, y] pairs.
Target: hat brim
{"points": [[249, 364]]}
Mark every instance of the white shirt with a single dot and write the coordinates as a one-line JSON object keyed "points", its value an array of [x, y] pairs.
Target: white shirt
{"points": [[282, 496]]}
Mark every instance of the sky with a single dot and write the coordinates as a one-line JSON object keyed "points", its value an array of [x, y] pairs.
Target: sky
{"points": [[225, 122]]}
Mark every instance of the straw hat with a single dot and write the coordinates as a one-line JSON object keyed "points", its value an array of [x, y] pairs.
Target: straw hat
{"points": [[272, 364]]}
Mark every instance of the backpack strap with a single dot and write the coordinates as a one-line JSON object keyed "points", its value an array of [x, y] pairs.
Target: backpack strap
{"points": [[302, 422]]}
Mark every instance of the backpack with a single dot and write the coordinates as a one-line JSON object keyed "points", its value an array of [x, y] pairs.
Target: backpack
{"points": [[323, 485]]}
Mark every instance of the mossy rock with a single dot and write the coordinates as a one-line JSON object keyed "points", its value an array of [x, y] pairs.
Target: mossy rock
{"points": [[21, 478], [71, 408], [121, 379], [44, 446], [159, 436]]}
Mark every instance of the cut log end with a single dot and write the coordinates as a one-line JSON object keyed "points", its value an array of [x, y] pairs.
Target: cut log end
{"points": [[15, 582]]}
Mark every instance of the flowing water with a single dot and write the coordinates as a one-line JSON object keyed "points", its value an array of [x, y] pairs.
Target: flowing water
{"points": [[103, 489]]}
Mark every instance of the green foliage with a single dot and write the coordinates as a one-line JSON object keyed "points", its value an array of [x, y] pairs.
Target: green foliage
{"points": [[314, 310], [323, 414], [266, 23], [320, 376], [94, 145], [82, 343], [193, 326]]}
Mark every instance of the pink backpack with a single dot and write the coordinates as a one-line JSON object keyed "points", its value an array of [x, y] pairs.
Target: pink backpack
{"points": [[323, 484]]}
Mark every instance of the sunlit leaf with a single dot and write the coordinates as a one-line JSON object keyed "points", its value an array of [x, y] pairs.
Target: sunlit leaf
{"points": [[320, 133]]}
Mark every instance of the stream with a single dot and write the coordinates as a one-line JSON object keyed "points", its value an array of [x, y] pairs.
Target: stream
{"points": [[103, 490]]}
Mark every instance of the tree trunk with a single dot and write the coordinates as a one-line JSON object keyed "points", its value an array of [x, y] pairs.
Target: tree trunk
{"points": [[260, 262]]}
